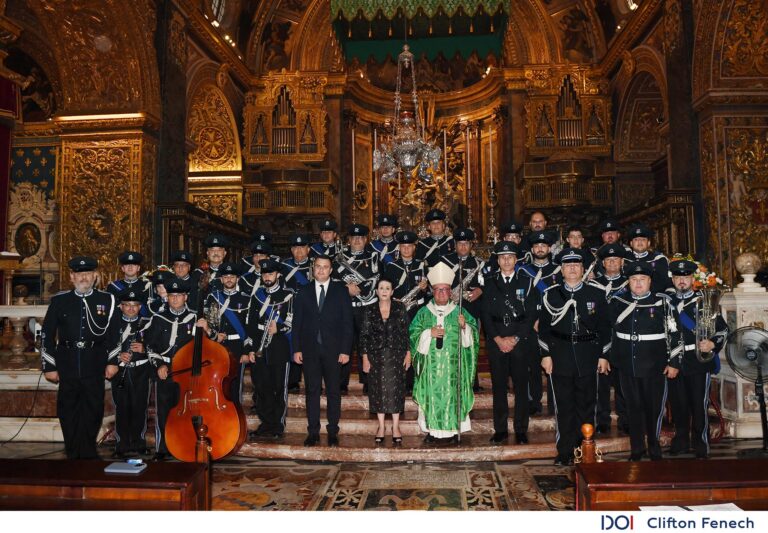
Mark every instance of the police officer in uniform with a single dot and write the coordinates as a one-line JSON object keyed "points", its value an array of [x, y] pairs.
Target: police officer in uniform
{"points": [[130, 264], [297, 270], [438, 244], [166, 333], [646, 348], [409, 281], [509, 310], [250, 263], [575, 238], [269, 348], [80, 333], [572, 334], [159, 299], [509, 232], [328, 245], [181, 265], [231, 306], [250, 281], [640, 243], [610, 233], [689, 393], [215, 253], [469, 269], [358, 267], [130, 386], [386, 245], [543, 273], [612, 281]]}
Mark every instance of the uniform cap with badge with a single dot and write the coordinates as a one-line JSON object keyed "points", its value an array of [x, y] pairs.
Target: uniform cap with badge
{"points": [[298, 239], [505, 248], [608, 225], [636, 268], [511, 228], [570, 255], [683, 267], [261, 247], [182, 256], [176, 286], [406, 237], [328, 225], [612, 250], [215, 240], [130, 296], [160, 277], [387, 220], [434, 214], [357, 230], [130, 258], [83, 263], [544, 237], [640, 230], [228, 269], [463, 234], [269, 265]]}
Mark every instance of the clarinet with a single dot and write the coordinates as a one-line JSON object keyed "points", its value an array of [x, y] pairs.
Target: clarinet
{"points": [[121, 381]]}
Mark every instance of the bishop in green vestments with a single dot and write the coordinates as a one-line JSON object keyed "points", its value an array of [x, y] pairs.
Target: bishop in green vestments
{"points": [[443, 406]]}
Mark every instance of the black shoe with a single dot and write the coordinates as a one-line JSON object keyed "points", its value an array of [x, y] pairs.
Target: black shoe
{"points": [[277, 435], [477, 388], [564, 460], [344, 391], [534, 409], [499, 437], [365, 389], [294, 388], [333, 441], [702, 455], [311, 440], [160, 456], [602, 429], [452, 440], [378, 440], [521, 438], [397, 441], [636, 457], [429, 439], [624, 428], [677, 448]]}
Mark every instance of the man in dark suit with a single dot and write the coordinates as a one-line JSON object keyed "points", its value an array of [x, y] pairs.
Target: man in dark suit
{"points": [[322, 341]]}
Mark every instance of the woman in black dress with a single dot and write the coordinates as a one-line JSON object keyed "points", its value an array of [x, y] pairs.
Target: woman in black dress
{"points": [[386, 357]]}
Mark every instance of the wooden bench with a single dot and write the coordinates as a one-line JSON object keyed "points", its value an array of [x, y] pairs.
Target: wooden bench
{"points": [[31, 484], [627, 486]]}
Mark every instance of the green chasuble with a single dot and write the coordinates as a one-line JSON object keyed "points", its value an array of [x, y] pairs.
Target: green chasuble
{"points": [[435, 389]]}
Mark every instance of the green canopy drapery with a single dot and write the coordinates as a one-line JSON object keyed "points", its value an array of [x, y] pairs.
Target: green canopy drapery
{"points": [[349, 9]]}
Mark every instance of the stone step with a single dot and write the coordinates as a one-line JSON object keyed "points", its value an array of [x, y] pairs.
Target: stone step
{"points": [[361, 448], [364, 423]]}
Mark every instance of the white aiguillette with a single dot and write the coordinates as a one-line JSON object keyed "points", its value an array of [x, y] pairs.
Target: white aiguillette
{"points": [[130, 467]]}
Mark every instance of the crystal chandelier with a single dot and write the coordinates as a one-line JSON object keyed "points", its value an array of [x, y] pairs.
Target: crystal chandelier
{"points": [[407, 149]]}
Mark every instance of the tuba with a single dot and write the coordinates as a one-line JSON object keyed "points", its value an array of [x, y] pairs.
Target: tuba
{"points": [[707, 311]]}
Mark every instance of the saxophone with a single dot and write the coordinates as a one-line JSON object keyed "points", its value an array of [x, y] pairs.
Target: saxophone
{"points": [[460, 291], [409, 300]]}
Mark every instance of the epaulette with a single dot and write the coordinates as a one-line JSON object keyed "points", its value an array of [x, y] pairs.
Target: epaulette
{"points": [[664, 296], [555, 286]]}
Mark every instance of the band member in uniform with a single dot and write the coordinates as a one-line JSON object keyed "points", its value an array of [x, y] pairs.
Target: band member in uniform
{"points": [[250, 281], [79, 334], [322, 342], [612, 281], [231, 306], [572, 334], [574, 237], [269, 348], [130, 264], [358, 267], [610, 233], [509, 232], [328, 244], [543, 273], [386, 245], [509, 310], [130, 386], [215, 253], [409, 281], [159, 300], [646, 347], [689, 393], [250, 263], [432, 248], [297, 273], [181, 265], [166, 333], [537, 224], [640, 242]]}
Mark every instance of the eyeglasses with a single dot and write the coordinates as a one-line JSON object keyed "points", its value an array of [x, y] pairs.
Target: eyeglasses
{"points": [[442, 290]]}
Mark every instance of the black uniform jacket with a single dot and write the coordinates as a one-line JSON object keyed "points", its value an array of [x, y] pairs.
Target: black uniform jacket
{"points": [[686, 307], [508, 309]]}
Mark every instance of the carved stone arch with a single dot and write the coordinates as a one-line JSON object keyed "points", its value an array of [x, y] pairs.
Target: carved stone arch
{"points": [[644, 58], [212, 127], [637, 126], [104, 52], [730, 47], [254, 51], [542, 44], [313, 48]]}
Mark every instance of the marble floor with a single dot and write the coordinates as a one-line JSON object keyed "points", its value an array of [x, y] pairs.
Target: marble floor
{"points": [[242, 483]]}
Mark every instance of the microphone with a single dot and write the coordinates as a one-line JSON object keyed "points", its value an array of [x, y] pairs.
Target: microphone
{"points": [[439, 343]]}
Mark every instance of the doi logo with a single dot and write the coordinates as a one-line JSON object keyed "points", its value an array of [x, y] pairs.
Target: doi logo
{"points": [[619, 522]]}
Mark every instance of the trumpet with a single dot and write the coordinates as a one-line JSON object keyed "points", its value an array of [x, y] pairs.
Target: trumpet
{"points": [[267, 337]]}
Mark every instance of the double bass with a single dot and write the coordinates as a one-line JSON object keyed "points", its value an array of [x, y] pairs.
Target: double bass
{"points": [[203, 370]]}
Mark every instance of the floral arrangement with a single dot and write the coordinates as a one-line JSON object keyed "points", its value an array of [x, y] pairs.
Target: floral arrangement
{"points": [[703, 278]]}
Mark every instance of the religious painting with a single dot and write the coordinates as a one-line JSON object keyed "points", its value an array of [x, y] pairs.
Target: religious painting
{"points": [[574, 26], [277, 41], [27, 239]]}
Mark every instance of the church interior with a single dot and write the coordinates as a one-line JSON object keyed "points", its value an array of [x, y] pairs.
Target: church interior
{"points": [[149, 125]]}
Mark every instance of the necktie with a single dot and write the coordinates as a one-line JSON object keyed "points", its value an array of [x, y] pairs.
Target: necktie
{"points": [[322, 297]]}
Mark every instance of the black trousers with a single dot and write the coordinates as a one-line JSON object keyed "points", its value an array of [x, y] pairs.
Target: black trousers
{"points": [[166, 397], [689, 398], [80, 408], [604, 384], [504, 365], [322, 367], [645, 398], [530, 348], [272, 393], [346, 369], [131, 404], [574, 401]]}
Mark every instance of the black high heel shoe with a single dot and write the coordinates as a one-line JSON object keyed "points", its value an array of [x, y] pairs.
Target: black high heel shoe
{"points": [[378, 440], [397, 440]]}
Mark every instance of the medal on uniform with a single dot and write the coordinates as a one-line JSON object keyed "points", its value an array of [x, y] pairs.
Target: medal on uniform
{"points": [[591, 308], [650, 312], [520, 294]]}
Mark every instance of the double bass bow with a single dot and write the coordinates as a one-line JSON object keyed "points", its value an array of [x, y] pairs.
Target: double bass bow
{"points": [[203, 370]]}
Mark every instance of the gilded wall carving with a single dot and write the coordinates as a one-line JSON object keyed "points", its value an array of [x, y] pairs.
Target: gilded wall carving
{"points": [[745, 43], [177, 40], [641, 114], [673, 25], [212, 127], [223, 205], [734, 161], [104, 66], [104, 197]]}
